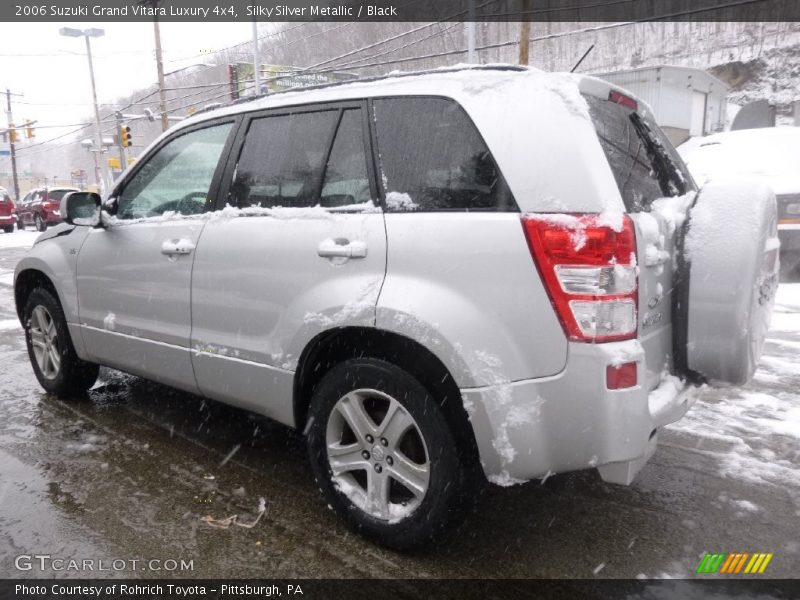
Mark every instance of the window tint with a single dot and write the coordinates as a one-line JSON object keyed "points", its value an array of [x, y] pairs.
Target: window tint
{"points": [[177, 178], [346, 181], [282, 159], [433, 159], [626, 149]]}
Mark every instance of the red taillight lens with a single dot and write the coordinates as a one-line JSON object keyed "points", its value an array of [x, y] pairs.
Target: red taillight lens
{"points": [[621, 377], [622, 99], [589, 269]]}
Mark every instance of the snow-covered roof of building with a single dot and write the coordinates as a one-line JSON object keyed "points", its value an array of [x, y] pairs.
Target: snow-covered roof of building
{"points": [[675, 69]]}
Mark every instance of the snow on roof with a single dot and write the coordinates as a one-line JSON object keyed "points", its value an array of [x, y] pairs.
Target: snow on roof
{"points": [[673, 68], [770, 152], [449, 82]]}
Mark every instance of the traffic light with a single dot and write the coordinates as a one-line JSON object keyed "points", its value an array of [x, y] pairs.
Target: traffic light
{"points": [[12, 136], [29, 130], [125, 137]]}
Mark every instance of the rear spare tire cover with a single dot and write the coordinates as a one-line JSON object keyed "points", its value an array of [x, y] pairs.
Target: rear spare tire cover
{"points": [[730, 268]]}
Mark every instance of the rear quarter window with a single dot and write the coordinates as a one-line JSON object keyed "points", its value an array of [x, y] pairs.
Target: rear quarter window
{"points": [[432, 158], [630, 158]]}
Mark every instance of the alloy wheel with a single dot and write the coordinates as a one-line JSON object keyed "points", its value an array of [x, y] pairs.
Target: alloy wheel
{"points": [[377, 455], [44, 339]]}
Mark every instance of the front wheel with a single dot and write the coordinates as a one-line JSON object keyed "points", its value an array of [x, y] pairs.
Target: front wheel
{"points": [[383, 454], [50, 349], [39, 222]]}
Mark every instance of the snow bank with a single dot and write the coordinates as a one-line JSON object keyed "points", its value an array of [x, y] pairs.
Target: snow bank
{"points": [[18, 239]]}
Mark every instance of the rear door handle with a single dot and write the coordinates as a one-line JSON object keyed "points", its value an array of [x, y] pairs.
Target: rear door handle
{"points": [[176, 247], [342, 248]]}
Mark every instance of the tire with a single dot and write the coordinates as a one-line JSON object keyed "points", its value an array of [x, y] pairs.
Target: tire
{"points": [[52, 355], [40, 223], [418, 447], [8, 228]]}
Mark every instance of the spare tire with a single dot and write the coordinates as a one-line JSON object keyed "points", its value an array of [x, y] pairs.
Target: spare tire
{"points": [[726, 282]]}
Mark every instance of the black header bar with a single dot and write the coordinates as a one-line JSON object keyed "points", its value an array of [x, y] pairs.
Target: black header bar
{"points": [[602, 11]]}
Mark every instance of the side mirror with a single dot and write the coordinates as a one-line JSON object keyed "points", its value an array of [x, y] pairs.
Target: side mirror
{"points": [[81, 208]]}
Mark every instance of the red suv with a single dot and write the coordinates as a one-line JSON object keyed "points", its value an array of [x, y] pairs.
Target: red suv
{"points": [[40, 207], [8, 211]]}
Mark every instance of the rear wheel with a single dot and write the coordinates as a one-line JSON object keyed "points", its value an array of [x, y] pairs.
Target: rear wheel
{"points": [[50, 349], [8, 228], [383, 454], [39, 222]]}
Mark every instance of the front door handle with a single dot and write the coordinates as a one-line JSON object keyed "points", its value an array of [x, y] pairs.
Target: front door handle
{"points": [[176, 247], [342, 248]]}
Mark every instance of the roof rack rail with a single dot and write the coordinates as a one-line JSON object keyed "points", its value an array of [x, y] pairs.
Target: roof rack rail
{"points": [[370, 79]]}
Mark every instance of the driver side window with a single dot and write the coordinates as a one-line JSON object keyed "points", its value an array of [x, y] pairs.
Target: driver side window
{"points": [[177, 178]]}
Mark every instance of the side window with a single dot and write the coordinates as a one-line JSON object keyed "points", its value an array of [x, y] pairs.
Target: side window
{"points": [[177, 178], [282, 160], [433, 159], [346, 181]]}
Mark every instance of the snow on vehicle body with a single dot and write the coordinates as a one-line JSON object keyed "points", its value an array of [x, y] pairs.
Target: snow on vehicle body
{"points": [[471, 258]]}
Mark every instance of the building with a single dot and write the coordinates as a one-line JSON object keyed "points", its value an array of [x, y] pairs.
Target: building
{"points": [[686, 102]]}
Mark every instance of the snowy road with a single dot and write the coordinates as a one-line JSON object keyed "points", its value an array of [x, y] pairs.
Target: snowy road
{"points": [[130, 472]]}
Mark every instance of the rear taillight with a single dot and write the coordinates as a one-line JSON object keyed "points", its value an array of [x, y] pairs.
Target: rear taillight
{"points": [[589, 269]]}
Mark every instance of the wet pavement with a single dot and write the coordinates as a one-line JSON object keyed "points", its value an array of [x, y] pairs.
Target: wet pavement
{"points": [[129, 472]]}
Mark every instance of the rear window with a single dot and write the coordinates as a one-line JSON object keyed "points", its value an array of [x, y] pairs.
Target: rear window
{"points": [[644, 163], [57, 195]]}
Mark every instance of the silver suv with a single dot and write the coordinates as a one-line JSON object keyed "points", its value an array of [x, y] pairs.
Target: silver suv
{"points": [[440, 278]]}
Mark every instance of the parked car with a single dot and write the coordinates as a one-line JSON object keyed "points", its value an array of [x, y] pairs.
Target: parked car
{"points": [[770, 153], [440, 279], [8, 215], [40, 207]]}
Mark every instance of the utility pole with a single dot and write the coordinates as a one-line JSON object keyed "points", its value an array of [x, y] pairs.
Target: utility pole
{"points": [[256, 59], [102, 181], [12, 145], [162, 99], [471, 32], [525, 34], [97, 176]]}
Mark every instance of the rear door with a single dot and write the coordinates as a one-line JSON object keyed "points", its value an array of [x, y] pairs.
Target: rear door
{"points": [[23, 210], [301, 250], [656, 190]]}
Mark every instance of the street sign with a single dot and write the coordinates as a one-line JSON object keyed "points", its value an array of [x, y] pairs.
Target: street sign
{"points": [[5, 152]]}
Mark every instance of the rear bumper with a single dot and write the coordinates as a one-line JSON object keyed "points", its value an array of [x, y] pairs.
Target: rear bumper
{"points": [[568, 422], [8, 220]]}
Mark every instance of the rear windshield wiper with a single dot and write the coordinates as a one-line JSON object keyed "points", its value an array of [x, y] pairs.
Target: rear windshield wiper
{"points": [[665, 169]]}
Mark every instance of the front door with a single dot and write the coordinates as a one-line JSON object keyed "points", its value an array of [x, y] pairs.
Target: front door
{"points": [[134, 273]]}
